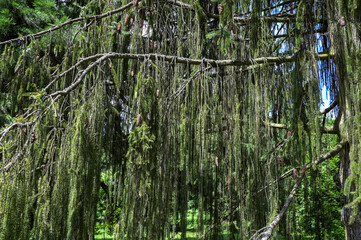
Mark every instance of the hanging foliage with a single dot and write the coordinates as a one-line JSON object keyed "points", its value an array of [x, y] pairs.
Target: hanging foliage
{"points": [[177, 110]]}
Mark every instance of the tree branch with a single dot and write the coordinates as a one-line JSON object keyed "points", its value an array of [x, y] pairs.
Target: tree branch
{"points": [[173, 59], [94, 17], [14, 125], [289, 172], [283, 176], [274, 6], [328, 155], [287, 18], [326, 130], [83, 60], [327, 110], [275, 18], [267, 234]]}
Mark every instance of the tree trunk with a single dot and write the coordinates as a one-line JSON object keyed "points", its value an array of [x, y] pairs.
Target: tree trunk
{"points": [[345, 40], [352, 231]]}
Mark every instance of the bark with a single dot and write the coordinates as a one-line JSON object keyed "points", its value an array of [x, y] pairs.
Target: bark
{"points": [[342, 44], [352, 231]]}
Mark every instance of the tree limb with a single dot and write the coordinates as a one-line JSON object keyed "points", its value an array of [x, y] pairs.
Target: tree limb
{"points": [[173, 59], [328, 155], [14, 125], [327, 110], [326, 130], [83, 60], [94, 17], [274, 6], [275, 18], [283, 176], [286, 18], [267, 234]]}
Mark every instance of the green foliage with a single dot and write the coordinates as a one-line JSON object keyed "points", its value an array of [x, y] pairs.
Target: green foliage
{"points": [[319, 204], [140, 142], [145, 147], [21, 17], [6, 21]]}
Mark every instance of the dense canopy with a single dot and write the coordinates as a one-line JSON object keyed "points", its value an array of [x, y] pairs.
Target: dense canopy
{"points": [[158, 111]]}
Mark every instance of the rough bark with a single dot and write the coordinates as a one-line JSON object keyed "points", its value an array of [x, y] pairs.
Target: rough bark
{"points": [[353, 230], [343, 42]]}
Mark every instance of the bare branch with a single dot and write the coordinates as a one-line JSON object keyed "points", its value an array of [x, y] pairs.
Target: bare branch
{"points": [[283, 176], [326, 130], [83, 60], [288, 18], [180, 4], [14, 125], [80, 79], [277, 125], [327, 110]]}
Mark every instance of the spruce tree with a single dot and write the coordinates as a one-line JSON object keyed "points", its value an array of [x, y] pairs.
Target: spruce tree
{"points": [[178, 108]]}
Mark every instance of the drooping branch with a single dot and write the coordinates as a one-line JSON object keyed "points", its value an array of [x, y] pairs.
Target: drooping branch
{"points": [[180, 4], [327, 110], [328, 155], [173, 59], [280, 178], [195, 75], [83, 60], [275, 18], [267, 234], [288, 18], [168, 58], [325, 129], [71, 21], [274, 6], [80, 78], [277, 125], [285, 175], [13, 126]]}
